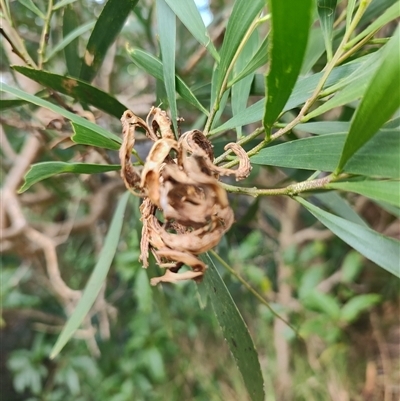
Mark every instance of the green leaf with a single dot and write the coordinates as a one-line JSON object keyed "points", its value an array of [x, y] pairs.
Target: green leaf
{"points": [[243, 14], [323, 153], [71, 50], [324, 127], [291, 21], [154, 67], [259, 59], [351, 267], [301, 92], [69, 37], [235, 331], [321, 302], [379, 103], [96, 279], [390, 14], [189, 15], [240, 91], [75, 88], [357, 305], [96, 131], [41, 171], [167, 31], [386, 191], [87, 136], [341, 207], [62, 4], [30, 5], [315, 49], [106, 30], [383, 251], [326, 13], [11, 103]]}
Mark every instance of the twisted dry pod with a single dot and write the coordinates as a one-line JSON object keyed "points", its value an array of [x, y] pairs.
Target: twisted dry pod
{"points": [[179, 179]]}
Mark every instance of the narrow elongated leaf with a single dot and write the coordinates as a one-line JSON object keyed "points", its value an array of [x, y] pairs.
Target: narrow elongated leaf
{"points": [[69, 37], [323, 153], [41, 171], [243, 14], [324, 127], [84, 135], [96, 130], [291, 21], [339, 206], [383, 251], [106, 30], [154, 67], [167, 30], [379, 103], [315, 49], [62, 3], [358, 304], [71, 49], [30, 5], [259, 59], [235, 331], [241, 90], [390, 14], [301, 92], [326, 13], [189, 15], [75, 88], [96, 279], [386, 191]]}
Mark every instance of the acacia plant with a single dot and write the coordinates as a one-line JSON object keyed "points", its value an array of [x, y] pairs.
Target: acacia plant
{"points": [[305, 87]]}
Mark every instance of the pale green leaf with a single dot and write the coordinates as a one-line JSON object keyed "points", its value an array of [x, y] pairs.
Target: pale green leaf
{"points": [[30, 5], [357, 305], [96, 280], [382, 250], [167, 31], [323, 153], [386, 191], [189, 15], [154, 67]]}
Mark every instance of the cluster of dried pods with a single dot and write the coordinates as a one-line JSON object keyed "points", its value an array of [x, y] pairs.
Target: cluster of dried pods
{"points": [[180, 180]]}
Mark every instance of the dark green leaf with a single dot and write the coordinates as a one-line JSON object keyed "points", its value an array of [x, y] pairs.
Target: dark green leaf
{"points": [[11, 103], [291, 21], [106, 30], [235, 331], [167, 30], [154, 67], [383, 251], [96, 279], [77, 89], [315, 49], [386, 191], [326, 13], [112, 140], [323, 153], [243, 14], [71, 50], [379, 103], [189, 15], [41, 171], [87, 136]]}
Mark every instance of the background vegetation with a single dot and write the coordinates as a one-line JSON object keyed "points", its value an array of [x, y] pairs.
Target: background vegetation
{"points": [[310, 89]]}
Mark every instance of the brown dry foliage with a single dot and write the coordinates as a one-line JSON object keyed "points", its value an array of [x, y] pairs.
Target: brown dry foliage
{"points": [[179, 179]]}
